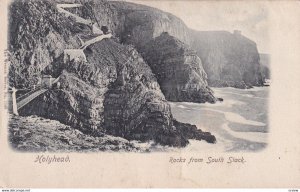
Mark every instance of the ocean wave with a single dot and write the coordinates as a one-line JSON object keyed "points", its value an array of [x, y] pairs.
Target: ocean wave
{"points": [[226, 103], [236, 118], [181, 106], [239, 92], [257, 89], [249, 136], [244, 95]]}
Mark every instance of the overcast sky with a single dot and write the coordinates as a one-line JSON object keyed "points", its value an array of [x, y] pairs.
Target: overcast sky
{"points": [[250, 18]]}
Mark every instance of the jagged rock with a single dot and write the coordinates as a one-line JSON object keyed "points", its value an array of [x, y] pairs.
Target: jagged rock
{"points": [[41, 135], [178, 69], [112, 90], [228, 59], [192, 132]]}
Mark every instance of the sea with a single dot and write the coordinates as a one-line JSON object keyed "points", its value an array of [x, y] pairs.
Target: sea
{"points": [[239, 122]]}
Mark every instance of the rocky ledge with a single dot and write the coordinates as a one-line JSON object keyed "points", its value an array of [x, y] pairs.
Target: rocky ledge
{"points": [[37, 134]]}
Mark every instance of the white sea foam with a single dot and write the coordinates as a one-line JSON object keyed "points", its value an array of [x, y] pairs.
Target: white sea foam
{"points": [[202, 146], [181, 106], [239, 92], [217, 117], [245, 95], [226, 103], [229, 103], [257, 89], [250, 136], [236, 118]]}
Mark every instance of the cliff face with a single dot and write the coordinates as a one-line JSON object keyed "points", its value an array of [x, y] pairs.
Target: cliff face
{"points": [[113, 92], [111, 89], [178, 69], [228, 59], [140, 24], [108, 89], [38, 35], [142, 27]]}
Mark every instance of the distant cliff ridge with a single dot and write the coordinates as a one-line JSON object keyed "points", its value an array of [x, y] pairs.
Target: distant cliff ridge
{"points": [[229, 59]]}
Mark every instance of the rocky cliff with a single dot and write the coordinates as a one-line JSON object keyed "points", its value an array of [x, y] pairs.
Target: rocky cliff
{"points": [[140, 24], [178, 69], [114, 92], [228, 59], [109, 90]]}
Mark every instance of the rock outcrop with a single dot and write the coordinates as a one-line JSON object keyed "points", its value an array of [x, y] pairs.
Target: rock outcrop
{"points": [[37, 134], [109, 88], [228, 59], [114, 92], [178, 69]]}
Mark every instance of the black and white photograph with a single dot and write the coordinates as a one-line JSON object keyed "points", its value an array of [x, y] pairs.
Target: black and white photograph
{"points": [[90, 76], [165, 94]]}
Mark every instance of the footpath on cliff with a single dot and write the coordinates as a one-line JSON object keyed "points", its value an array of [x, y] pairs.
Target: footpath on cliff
{"points": [[112, 91]]}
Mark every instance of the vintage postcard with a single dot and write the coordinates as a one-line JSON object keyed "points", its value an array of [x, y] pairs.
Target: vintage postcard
{"points": [[145, 93]]}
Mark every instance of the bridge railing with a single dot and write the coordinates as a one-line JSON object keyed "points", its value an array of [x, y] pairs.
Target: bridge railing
{"points": [[38, 87], [55, 80], [27, 94], [96, 39], [29, 98]]}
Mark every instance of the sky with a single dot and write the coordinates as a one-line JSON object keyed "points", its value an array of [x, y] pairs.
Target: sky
{"points": [[249, 17]]}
